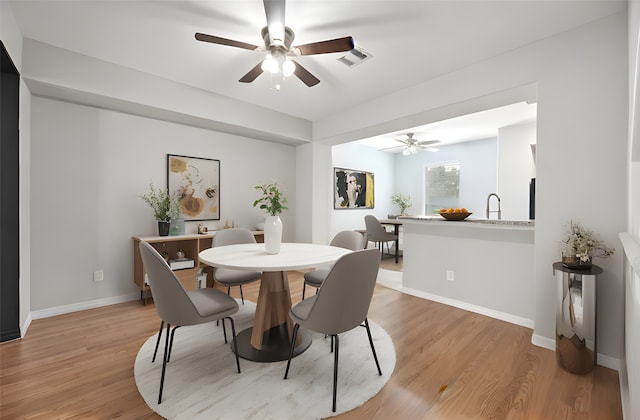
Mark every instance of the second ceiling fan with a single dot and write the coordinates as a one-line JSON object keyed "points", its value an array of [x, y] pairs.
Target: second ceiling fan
{"points": [[277, 44], [411, 145]]}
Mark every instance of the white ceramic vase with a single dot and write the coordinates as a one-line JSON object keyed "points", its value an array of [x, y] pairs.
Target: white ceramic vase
{"points": [[272, 234]]}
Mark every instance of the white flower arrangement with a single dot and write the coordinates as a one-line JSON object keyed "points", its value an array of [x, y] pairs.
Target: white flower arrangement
{"points": [[584, 244]]}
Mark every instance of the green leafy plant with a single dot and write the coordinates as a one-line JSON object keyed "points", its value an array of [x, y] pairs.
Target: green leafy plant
{"points": [[584, 244], [272, 200], [165, 206], [402, 201]]}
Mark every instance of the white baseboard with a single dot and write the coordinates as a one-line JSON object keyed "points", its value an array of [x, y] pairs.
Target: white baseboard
{"points": [[25, 326], [503, 316], [81, 306], [391, 279], [609, 362], [544, 342], [623, 379]]}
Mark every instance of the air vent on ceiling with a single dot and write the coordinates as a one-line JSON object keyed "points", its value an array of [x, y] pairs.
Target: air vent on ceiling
{"points": [[355, 56]]}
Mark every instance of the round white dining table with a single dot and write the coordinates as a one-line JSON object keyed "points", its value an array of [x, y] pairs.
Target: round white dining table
{"points": [[269, 338]]}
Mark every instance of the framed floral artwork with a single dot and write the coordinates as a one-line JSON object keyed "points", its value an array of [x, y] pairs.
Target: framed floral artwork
{"points": [[197, 181], [352, 189]]}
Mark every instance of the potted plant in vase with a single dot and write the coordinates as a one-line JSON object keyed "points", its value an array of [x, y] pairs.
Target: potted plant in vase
{"points": [[580, 246], [402, 201], [274, 202], [165, 207]]}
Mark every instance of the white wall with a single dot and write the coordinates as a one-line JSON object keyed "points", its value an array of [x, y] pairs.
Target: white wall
{"points": [[581, 82], [515, 169], [630, 375], [55, 72], [88, 167], [492, 267], [478, 173], [314, 204], [25, 207], [363, 158]]}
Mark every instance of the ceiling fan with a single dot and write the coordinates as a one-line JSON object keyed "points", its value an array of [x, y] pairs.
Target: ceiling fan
{"points": [[277, 44], [411, 145]]}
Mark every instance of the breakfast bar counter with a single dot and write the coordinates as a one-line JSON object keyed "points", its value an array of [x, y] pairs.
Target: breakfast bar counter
{"points": [[472, 222], [486, 266]]}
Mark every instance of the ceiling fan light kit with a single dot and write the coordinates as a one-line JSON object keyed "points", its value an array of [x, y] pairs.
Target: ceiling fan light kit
{"points": [[277, 42], [410, 150]]}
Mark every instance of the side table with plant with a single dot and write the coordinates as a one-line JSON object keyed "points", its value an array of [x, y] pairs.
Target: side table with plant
{"points": [[165, 207], [581, 245]]}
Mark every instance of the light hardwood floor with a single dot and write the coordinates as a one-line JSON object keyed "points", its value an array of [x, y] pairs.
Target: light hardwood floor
{"points": [[451, 364]]}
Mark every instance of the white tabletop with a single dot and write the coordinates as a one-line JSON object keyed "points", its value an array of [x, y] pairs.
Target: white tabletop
{"points": [[253, 257]]}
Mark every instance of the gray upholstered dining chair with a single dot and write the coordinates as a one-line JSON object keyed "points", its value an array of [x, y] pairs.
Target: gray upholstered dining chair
{"points": [[179, 307], [341, 304], [378, 234], [229, 277], [348, 239]]}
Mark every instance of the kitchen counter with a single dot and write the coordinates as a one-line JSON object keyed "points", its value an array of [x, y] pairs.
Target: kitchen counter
{"points": [[492, 223], [486, 266]]}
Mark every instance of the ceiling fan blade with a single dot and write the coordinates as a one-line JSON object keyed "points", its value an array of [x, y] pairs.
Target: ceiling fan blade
{"points": [[304, 75], [324, 47], [224, 41], [390, 148], [427, 142], [275, 12], [252, 74]]}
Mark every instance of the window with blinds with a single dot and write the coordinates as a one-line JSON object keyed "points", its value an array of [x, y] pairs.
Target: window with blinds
{"points": [[442, 186]]}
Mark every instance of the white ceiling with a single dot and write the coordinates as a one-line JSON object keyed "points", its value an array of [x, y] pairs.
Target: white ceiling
{"points": [[476, 126], [410, 41]]}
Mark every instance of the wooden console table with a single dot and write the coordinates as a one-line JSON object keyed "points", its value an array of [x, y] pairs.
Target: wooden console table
{"points": [[192, 245]]}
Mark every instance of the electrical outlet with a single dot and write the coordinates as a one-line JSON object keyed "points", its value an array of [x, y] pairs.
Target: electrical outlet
{"points": [[98, 275], [450, 275]]}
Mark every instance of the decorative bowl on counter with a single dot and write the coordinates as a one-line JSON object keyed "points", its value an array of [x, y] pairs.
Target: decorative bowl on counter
{"points": [[455, 216]]}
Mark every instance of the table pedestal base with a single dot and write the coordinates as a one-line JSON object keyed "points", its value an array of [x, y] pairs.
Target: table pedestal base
{"points": [[275, 344]]}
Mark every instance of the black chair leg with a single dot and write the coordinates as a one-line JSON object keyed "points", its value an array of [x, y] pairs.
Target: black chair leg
{"points": [[304, 286], [373, 349], [293, 346], [173, 332], [224, 331], [235, 342], [335, 371], [158, 341], [218, 321], [164, 363], [242, 297]]}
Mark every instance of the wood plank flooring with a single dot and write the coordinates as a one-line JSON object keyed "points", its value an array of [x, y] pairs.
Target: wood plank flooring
{"points": [[451, 364]]}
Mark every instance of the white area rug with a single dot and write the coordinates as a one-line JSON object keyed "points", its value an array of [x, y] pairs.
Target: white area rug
{"points": [[202, 382]]}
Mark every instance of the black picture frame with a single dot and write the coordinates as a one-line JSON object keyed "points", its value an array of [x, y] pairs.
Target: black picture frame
{"points": [[197, 180], [353, 189]]}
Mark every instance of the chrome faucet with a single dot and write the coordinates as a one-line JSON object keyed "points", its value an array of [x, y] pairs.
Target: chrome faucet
{"points": [[489, 211]]}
